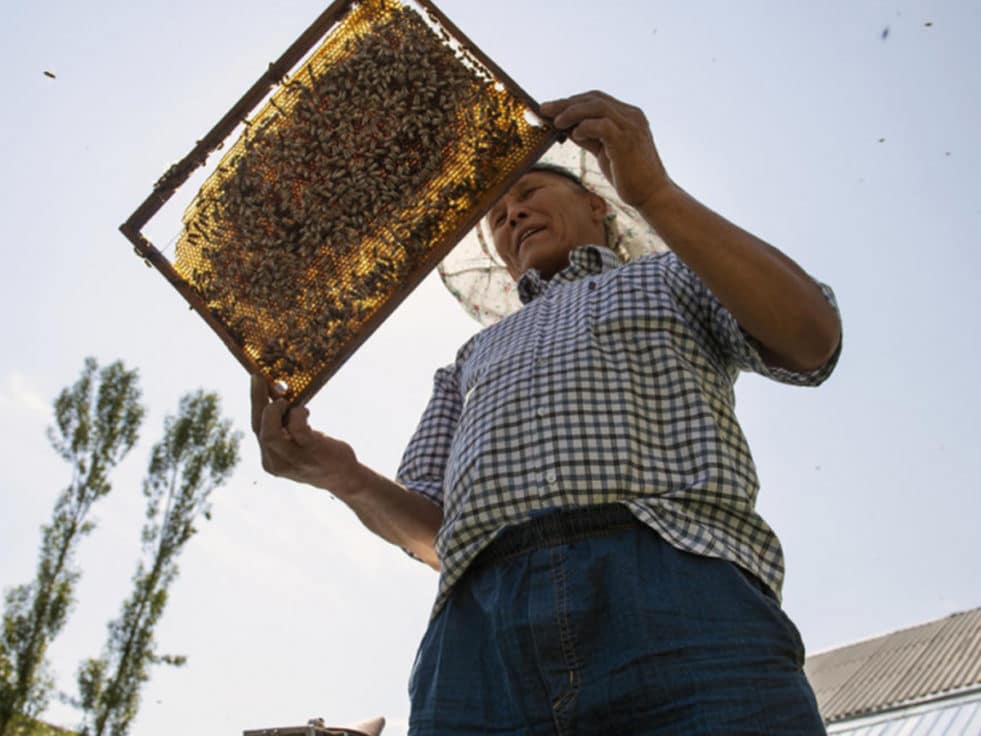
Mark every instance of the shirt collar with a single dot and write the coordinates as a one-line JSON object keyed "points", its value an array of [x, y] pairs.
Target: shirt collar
{"points": [[587, 260]]}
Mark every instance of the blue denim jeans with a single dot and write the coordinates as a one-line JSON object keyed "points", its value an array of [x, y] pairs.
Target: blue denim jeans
{"points": [[616, 632]]}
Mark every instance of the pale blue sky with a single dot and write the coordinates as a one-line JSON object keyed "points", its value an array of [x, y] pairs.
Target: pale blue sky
{"points": [[857, 156]]}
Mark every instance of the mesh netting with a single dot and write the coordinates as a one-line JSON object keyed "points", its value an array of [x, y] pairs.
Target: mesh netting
{"points": [[346, 183]]}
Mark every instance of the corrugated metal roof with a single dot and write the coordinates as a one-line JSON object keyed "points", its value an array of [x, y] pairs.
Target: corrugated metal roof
{"points": [[906, 666], [943, 718]]}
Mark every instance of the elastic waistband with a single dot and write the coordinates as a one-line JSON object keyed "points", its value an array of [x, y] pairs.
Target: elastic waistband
{"points": [[562, 526]]}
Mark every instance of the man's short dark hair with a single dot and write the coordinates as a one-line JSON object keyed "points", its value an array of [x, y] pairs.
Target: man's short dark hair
{"points": [[560, 170]]}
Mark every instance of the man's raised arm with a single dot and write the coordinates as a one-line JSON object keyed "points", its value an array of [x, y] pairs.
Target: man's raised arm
{"points": [[770, 296]]}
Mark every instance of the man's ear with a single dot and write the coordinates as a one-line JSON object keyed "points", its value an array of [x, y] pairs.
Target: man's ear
{"points": [[598, 207]]}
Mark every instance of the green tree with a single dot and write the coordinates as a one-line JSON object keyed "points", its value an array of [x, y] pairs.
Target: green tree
{"points": [[97, 422], [197, 454]]}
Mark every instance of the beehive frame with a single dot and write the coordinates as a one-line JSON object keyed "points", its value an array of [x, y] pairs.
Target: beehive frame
{"points": [[467, 185]]}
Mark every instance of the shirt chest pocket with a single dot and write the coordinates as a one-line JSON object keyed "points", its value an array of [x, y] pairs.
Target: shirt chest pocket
{"points": [[633, 320], [495, 356], [652, 341]]}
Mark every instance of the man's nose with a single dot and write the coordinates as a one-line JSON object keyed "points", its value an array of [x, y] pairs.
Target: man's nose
{"points": [[515, 214]]}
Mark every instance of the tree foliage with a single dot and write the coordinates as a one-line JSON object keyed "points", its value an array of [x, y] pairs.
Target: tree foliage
{"points": [[96, 423], [197, 454], [23, 726]]}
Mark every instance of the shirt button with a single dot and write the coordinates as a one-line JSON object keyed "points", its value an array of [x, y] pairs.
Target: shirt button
{"points": [[540, 411], [551, 476], [592, 286]]}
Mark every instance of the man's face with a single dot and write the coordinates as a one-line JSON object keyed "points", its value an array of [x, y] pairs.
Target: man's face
{"points": [[541, 219]]}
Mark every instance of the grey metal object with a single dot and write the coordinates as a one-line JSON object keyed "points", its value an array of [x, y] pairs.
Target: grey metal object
{"points": [[901, 670], [959, 716], [317, 727]]}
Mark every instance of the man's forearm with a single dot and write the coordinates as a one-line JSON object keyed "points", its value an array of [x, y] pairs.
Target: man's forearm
{"points": [[770, 296], [292, 449], [395, 514]]}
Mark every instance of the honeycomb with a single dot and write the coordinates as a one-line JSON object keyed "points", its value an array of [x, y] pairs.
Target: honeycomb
{"points": [[359, 173]]}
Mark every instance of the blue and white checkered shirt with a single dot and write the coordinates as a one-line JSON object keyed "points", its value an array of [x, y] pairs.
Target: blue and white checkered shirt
{"points": [[614, 383]]}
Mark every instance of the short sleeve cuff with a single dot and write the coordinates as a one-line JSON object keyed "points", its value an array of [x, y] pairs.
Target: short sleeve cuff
{"points": [[429, 491], [748, 353]]}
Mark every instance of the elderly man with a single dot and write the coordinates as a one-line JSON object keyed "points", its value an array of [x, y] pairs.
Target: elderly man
{"points": [[579, 477]]}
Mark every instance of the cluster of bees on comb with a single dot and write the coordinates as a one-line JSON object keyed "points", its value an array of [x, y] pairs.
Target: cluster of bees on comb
{"points": [[340, 188]]}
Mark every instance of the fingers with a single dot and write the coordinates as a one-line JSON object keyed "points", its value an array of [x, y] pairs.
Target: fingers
{"points": [[592, 145], [591, 96], [569, 111], [268, 419], [260, 400], [279, 444], [595, 133], [574, 113], [298, 427], [275, 442], [618, 135], [271, 429], [599, 123], [553, 107]]}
